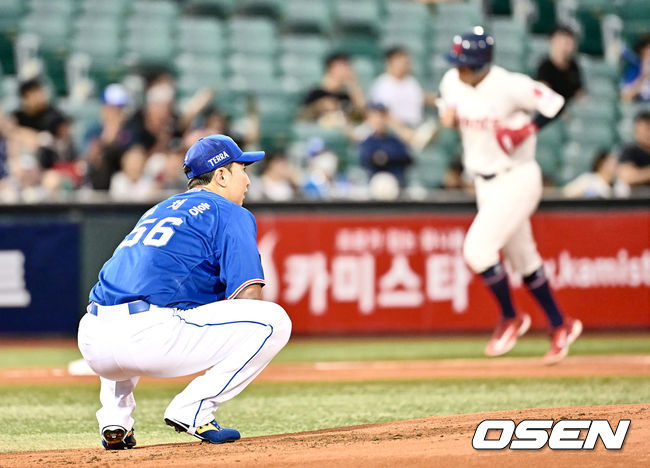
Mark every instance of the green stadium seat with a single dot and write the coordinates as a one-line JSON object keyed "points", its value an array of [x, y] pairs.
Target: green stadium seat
{"points": [[499, 7], [106, 48], [598, 7], [305, 45], [510, 36], [262, 67], [633, 30], [538, 49], [598, 68], [366, 70], [602, 89], [54, 8], [407, 11], [252, 36], [301, 72], [438, 66], [544, 19], [267, 8], [54, 35], [577, 159], [510, 61], [469, 12], [593, 109], [429, 168], [11, 11], [202, 36], [155, 9], [550, 161], [591, 40], [552, 135], [303, 16], [592, 132], [103, 8], [447, 140], [109, 28], [634, 10], [149, 44], [358, 17], [209, 8], [357, 45]]}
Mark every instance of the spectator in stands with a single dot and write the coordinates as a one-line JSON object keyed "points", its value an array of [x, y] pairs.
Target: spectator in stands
{"points": [[400, 92], [132, 183], [35, 110], [634, 162], [34, 118], [598, 182], [455, 177], [322, 180], [106, 141], [155, 124], [635, 84], [339, 95], [170, 177], [58, 147], [382, 151], [560, 70], [277, 179]]}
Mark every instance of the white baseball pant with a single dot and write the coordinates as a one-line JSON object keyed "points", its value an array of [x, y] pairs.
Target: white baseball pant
{"points": [[234, 340], [505, 205]]}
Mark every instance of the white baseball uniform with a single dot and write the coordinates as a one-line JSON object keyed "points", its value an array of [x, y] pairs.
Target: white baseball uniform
{"points": [[508, 187]]}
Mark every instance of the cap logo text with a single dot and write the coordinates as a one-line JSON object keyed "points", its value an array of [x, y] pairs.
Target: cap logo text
{"points": [[218, 158]]}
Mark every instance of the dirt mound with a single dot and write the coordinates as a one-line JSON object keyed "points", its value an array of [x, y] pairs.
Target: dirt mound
{"points": [[434, 441]]}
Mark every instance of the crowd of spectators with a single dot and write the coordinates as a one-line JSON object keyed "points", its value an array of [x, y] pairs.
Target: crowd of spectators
{"points": [[135, 152]]}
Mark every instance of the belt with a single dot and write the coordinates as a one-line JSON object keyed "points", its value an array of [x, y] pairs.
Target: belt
{"points": [[135, 307]]}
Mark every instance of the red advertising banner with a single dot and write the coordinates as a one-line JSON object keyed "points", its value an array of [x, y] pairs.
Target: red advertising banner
{"points": [[356, 273]]}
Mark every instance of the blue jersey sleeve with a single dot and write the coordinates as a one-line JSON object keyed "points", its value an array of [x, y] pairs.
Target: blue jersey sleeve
{"points": [[240, 260]]}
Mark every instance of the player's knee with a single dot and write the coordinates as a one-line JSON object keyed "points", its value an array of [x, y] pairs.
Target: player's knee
{"points": [[281, 323], [477, 257]]}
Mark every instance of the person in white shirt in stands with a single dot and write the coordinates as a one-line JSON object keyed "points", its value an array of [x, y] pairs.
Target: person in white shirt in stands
{"points": [[132, 183], [401, 93], [598, 182]]}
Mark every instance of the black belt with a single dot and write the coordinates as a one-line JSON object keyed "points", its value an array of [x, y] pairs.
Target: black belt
{"points": [[134, 307]]}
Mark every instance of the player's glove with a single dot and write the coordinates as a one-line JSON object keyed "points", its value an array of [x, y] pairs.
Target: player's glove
{"points": [[510, 138]]}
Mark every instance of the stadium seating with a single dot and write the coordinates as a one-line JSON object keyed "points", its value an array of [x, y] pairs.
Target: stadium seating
{"points": [[264, 54]]}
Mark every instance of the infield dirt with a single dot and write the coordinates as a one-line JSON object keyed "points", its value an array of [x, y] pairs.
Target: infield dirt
{"points": [[434, 441]]}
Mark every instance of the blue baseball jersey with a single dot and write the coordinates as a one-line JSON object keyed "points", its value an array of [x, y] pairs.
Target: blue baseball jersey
{"points": [[192, 249]]}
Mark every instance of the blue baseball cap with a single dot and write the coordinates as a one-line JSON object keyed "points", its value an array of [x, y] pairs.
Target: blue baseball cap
{"points": [[214, 151]]}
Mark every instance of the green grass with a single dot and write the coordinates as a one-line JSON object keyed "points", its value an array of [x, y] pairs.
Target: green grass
{"points": [[427, 348], [61, 416], [366, 349], [15, 356]]}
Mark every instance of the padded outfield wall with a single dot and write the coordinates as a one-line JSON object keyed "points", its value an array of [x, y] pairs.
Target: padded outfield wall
{"points": [[348, 267]]}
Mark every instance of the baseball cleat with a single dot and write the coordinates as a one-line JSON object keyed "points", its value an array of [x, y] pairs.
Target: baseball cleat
{"points": [[561, 339], [117, 438], [506, 333], [211, 432]]}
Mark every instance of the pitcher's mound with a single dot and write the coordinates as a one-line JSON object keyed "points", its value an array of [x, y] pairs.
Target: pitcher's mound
{"points": [[434, 441]]}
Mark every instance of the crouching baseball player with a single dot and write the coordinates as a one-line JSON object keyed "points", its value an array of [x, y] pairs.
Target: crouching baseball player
{"points": [[498, 113], [159, 308]]}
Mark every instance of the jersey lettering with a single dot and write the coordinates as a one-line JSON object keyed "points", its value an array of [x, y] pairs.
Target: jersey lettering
{"points": [[177, 204], [157, 237]]}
